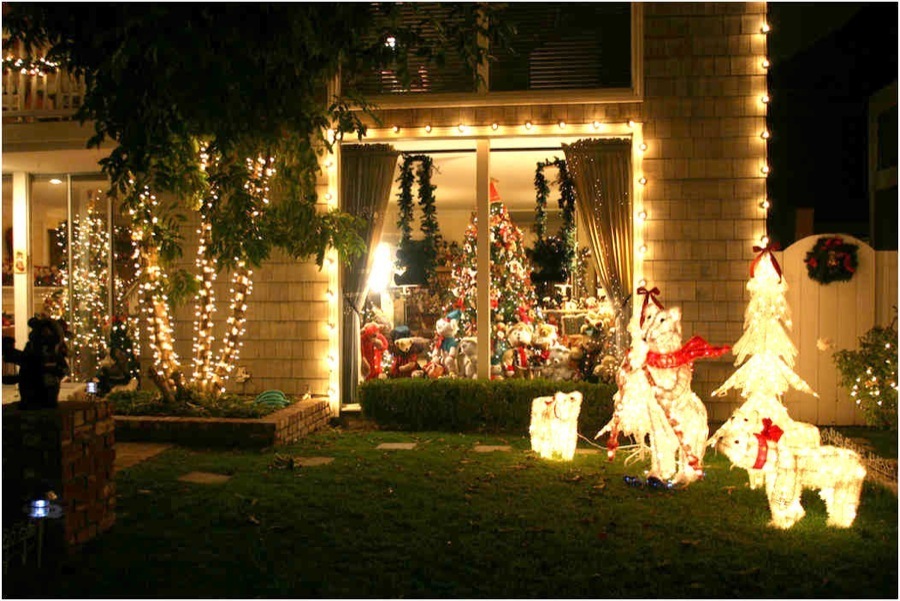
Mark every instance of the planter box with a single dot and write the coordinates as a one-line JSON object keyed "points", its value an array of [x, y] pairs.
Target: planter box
{"points": [[279, 428]]}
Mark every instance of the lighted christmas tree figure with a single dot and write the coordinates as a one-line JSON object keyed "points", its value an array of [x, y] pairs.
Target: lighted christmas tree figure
{"points": [[512, 293], [88, 271], [765, 349]]}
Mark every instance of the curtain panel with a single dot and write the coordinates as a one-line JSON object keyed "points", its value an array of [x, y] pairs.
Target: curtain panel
{"points": [[367, 172], [601, 173]]}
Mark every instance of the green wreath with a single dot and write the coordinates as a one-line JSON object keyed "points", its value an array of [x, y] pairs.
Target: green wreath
{"points": [[832, 260]]}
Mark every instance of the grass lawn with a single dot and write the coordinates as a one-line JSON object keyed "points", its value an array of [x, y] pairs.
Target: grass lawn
{"points": [[445, 521]]}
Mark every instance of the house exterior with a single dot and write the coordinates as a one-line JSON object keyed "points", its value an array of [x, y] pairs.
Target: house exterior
{"points": [[694, 110]]}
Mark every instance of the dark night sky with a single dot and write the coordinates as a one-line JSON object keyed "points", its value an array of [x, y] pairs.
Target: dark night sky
{"points": [[827, 60]]}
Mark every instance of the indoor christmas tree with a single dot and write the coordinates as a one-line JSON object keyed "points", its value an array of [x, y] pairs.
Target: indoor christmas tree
{"points": [[512, 293], [765, 349]]}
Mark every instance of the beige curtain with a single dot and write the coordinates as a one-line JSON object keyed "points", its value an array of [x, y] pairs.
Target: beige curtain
{"points": [[601, 172], [367, 172]]}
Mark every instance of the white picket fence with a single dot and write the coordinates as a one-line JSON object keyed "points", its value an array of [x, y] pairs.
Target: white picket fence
{"points": [[832, 317]]}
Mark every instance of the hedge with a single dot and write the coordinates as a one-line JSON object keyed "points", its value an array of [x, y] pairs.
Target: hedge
{"points": [[464, 405]]}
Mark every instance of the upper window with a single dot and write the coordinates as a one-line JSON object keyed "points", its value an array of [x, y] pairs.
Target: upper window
{"points": [[564, 46], [557, 46]]}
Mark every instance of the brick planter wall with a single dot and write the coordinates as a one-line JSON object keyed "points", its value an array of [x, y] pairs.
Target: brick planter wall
{"points": [[282, 427], [69, 450]]}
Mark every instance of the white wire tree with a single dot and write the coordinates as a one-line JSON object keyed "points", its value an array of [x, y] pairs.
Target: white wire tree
{"points": [[765, 352]]}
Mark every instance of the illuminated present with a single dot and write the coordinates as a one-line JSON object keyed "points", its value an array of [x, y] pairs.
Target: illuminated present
{"points": [[554, 425], [837, 473]]}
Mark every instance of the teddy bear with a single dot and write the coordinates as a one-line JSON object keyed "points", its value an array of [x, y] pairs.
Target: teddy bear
{"points": [[519, 336], [559, 364], [372, 344], [409, 357], [796, 434], [468, 357], [655, 398], [545, 336], [837, 473], [446, 345], [554, 425]]}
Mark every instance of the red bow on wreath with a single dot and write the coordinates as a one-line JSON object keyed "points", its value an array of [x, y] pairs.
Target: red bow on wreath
{"points": [[770, 432]]}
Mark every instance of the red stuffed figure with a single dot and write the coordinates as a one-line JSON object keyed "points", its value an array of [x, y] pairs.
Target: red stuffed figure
{"points": [[372, 345]]}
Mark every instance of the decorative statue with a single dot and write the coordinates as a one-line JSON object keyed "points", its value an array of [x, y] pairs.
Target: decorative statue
{"points": [[42, 365], [554, 425]]}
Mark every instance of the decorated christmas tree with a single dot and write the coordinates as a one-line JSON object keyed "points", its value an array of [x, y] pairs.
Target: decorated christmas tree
{"points": [[512, 293], [765, 349], [89, 272]]}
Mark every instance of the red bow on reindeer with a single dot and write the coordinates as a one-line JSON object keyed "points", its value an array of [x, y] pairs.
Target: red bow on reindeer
{"points": [[770, 432], [649, 295]]}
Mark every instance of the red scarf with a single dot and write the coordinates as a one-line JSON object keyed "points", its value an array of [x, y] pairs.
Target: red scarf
{"points": [[769, 432], [695, 348]]}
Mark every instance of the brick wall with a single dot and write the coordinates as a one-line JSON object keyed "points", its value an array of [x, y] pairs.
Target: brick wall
{"points": [[69, 450]]}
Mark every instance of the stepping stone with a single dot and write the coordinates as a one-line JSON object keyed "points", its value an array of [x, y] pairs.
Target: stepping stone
{"points": [[587, 451], [486, 448], [312, 461], [205, 478], [131, 453], [397, 446]]}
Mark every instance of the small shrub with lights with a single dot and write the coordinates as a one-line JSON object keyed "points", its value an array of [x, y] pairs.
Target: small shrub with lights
{"points": [[870, 373]]}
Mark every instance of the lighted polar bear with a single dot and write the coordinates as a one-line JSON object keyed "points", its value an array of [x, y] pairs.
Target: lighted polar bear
{"points": [[554, 425], [837, 473]]}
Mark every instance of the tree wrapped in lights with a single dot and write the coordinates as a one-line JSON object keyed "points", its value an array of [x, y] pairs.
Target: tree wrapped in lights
{"points": [[512, 294], [870, 373]]}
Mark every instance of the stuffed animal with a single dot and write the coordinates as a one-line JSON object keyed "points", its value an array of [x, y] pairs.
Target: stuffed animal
{"points": [[559, 364], [796, 434], [42, 364], [545, 336], [655, 397], [519, 336], [554, 425], [446, 345], [372, 344], [468, 357], [837, 473], [410, 357]]}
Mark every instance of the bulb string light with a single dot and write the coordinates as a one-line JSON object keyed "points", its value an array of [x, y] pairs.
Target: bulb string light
{"points": [[205, 302]]}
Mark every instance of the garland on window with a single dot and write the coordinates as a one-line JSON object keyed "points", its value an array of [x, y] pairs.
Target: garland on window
{"points": [[417, 257], [553, 255], [832, 260]]}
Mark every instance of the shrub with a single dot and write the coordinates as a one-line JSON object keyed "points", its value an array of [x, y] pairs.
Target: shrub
{"points": [[191, 403], [463, 405], [870, 374]]}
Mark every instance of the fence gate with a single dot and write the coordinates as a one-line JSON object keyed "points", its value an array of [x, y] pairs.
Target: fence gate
{"points": [[827, 318]]}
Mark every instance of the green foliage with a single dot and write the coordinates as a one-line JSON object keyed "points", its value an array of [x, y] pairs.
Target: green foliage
{"points": [[417, 257], [870, 373], [189, 403], [463, 405]]}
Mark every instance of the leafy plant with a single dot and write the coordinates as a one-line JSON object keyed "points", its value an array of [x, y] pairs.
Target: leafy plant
{"points": [[870, 373], [189, 403]]}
